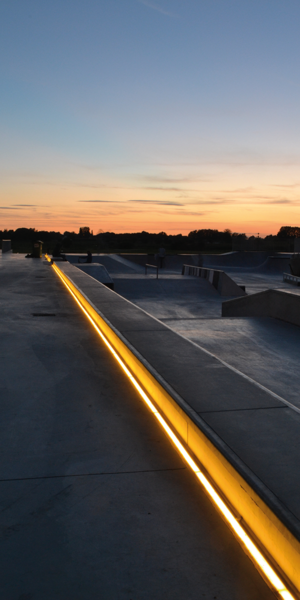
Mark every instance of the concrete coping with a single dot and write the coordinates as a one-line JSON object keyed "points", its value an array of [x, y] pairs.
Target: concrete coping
{"points": [[291, 278]]}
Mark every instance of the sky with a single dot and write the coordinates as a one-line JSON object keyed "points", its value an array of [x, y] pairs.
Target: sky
{"points": [[163, 115]]}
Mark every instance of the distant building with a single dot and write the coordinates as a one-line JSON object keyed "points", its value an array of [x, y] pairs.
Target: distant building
{"points": [[84, 232]]}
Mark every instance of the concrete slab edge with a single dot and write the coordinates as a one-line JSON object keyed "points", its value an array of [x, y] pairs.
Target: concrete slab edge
{"points": [[274, 528]]}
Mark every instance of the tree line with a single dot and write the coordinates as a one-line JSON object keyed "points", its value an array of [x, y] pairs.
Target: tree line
{"points": [[198, 240]]}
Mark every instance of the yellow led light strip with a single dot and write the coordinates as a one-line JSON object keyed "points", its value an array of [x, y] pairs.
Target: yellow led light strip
{"points": [[243, 537]]}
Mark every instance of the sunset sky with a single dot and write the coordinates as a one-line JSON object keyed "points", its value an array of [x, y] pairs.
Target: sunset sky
{"points": [[130, 115]]}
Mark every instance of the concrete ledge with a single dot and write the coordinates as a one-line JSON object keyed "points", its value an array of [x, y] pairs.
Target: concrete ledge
{"points": [[293, 279], [264, 514], [270, 303], [218, 279]]}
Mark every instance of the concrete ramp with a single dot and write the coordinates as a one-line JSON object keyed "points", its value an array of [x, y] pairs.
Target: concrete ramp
{"points": [[270, 303], [96, 271], [113, 265], [218, 279], [260, 262], [110, 261], [171, 262], [236, 259], [279, 263]]}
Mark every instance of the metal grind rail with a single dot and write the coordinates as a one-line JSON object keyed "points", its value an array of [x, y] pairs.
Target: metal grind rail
{"points": [[147, 266]]}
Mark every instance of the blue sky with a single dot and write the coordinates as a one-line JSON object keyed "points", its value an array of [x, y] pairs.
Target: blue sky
{"points": [[194, 103]]}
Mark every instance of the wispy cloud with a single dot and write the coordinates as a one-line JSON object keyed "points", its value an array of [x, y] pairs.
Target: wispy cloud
{"points": [[284, 185], [238, 190], [96, 186], [164, 189], [283, 201], [211, 202], [158, 8], [24, 204], [162, 179], [10, 208], [159, 202], [267, 200], [198, 214]]}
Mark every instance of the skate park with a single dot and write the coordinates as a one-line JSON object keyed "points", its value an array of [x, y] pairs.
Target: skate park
{"points": [[89, 464], [264, 348]]}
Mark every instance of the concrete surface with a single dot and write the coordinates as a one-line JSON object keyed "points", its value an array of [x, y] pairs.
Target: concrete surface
{"points": [[111, 262], [95, 503], [224, 284], [249, 435], [98, 272], [279, 304], [265, 349], [254, 261], [234, 259], [206, 386], [171, 262]]}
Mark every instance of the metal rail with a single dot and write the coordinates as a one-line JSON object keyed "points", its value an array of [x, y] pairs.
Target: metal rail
{"points": [[151, 267]]}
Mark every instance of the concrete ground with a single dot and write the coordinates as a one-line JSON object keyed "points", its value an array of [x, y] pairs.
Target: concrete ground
{"points": [[265, 349], [95, 503], [262, 348]]}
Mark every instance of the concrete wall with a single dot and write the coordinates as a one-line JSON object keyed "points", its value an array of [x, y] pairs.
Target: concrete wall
{"points": [[171, 261], [270, 303], [218, 279], [258, 261], [277, 264], [234, 259], [6, 246], [297, 245]]}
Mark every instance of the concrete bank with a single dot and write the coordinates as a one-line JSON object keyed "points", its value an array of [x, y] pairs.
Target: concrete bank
{"points": [[257, 261], [218, 279], [270, 303], [239, 433]]}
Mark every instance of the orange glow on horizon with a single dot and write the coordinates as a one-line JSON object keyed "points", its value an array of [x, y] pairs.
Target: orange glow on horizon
{"points": [[262, 228], [176, 207]]}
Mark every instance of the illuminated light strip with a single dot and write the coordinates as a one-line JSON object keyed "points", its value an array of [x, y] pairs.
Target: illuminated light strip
{"points": [[244, 538]]}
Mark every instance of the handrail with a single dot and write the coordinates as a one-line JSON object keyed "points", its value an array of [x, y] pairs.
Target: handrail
{"points": [[152, 267]]}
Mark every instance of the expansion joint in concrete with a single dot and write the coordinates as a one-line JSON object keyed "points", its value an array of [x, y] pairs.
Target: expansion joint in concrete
{"points": [[100, 473]]}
